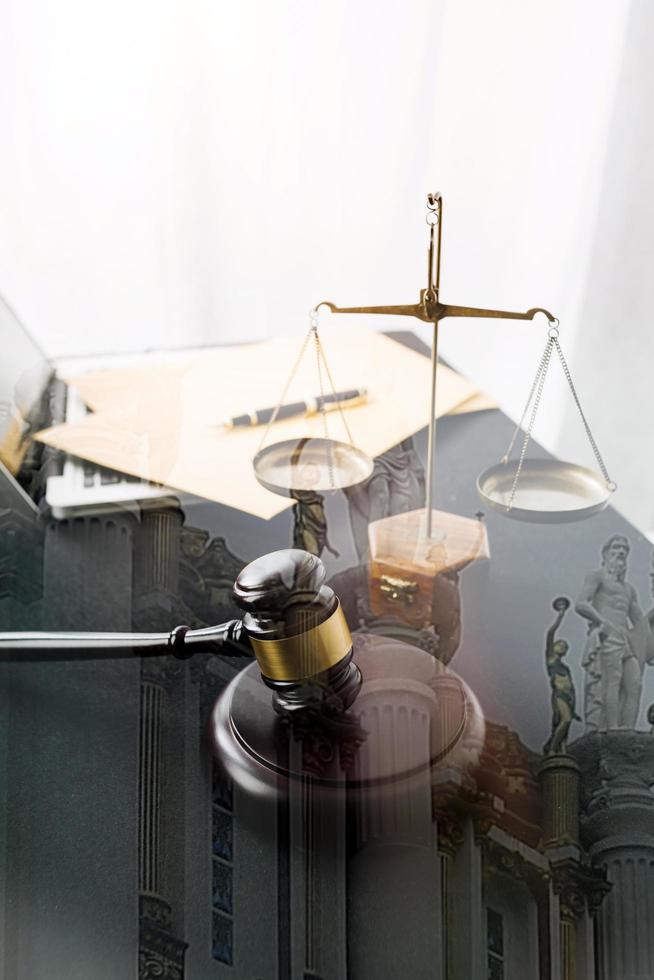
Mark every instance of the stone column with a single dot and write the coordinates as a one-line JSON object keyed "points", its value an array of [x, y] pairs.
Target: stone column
{"points": [[559, 779], [449, 836], [87, 572], [394, 880], [71, 778], [161, 953], [317, 867], [21, 570], [469, 958], [568, 932], [618, 827], [156, 579], [156, 559]]}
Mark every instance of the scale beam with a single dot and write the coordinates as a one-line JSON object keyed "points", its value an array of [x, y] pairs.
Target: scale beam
{"points": [[431, 311]]}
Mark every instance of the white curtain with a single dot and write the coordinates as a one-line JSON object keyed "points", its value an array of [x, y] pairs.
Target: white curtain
{"points": [[203, 171]]}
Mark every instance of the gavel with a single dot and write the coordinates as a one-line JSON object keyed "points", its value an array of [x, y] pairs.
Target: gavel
{"points": [[293, 625]]}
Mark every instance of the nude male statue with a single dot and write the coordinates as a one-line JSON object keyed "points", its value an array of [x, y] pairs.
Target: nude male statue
{"points": [[613, 672]]}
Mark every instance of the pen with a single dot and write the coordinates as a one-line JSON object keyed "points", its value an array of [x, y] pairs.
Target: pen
{"points": [[345, 399]]}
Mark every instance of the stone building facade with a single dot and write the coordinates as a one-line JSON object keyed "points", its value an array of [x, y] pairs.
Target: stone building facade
{"points": [[127, 854]]}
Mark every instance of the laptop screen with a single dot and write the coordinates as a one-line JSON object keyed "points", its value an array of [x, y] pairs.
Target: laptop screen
{"points": [[24, 375]]}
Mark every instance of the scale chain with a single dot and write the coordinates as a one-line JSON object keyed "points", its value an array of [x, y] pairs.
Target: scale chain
{"points": [[537, 391], [518, 428], [541, 374], [598, 456], [338, 404], [273, 417]]}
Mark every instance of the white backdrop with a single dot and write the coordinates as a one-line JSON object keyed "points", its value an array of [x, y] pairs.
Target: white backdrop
{"points": [[203, 171]]}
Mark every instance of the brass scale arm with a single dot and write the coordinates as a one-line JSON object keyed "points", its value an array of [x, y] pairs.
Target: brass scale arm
{"points": [[431, 310]]}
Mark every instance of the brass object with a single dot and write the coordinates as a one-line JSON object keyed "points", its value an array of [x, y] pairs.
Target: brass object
{"points": [[301, 657], [430, 309], [398, 589]]}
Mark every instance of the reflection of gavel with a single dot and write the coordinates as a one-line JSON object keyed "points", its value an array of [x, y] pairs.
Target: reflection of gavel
{"points": [[293, 624]]}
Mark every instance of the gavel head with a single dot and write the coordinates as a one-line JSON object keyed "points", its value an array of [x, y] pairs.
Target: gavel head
{"points": [[298, 631]]}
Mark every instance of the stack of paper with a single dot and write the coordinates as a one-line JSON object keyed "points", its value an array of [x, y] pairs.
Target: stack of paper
{"points": [[163, 422]]}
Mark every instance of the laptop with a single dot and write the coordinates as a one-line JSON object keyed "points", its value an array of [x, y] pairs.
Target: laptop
{"points": [[35, 477]]}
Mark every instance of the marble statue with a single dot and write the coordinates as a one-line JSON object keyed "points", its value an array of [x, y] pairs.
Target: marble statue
{"points": [[309, 517], [642, 637], [613, 668], [310, 523], [395, 486], [563, 690]]}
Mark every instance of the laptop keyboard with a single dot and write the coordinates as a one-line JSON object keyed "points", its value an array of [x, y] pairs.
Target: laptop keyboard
{"points": [[97, 475]]}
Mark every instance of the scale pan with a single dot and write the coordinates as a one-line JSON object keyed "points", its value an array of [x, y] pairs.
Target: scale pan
{"points": [[549, 491], [297, 465]]}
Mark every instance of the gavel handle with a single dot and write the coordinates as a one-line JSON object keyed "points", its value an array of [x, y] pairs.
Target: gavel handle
{"points": [[228, 639]]}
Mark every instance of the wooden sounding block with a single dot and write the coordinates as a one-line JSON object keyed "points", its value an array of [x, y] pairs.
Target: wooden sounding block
{"points": [[404, 562]]}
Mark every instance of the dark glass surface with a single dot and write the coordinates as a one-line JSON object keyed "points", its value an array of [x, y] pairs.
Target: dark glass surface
{"points": [[222, 886], [221, 948], [495, 932]]}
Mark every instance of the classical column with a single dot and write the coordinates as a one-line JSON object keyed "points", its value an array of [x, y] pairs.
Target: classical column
{"points": [[71, 780], [157, 557], [21, 570], [394, 878], [87, 573], [568, 933], [317, 864], [577, 888], [161, 953], [156, 577], [469, 958], [626, 932], [618, 827], [449, 836], [151, 785], [559, 779]]}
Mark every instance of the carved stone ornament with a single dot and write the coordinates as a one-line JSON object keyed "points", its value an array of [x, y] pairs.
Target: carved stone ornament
{"points": [[482, 827], [579, 885], [155, 910], [617, 779], [208, 570], [326, 737], [616, 760], [154, 967], [450, 833], [161, 956]]}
